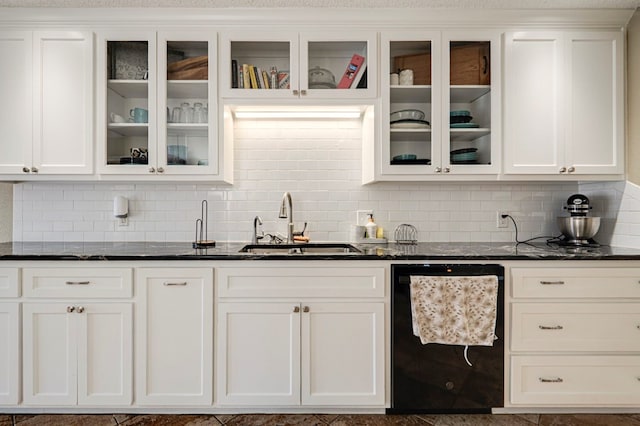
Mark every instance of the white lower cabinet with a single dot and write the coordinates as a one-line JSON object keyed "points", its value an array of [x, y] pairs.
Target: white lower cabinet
{"points": [[9, 353], [342, 353], [575, 380], [296, 346], [310, 353], [77, 353], [174, 336], [574, 336], [258, 354]]}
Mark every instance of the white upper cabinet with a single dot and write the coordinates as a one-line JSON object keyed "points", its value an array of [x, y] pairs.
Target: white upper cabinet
{"points": [[157, 106], [126, 102], [16, 86], [564, 106], [304, 65], [47, 89], [443, 117]]}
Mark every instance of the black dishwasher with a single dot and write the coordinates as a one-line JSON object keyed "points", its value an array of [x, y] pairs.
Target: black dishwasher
{"points": [[435, 378]]}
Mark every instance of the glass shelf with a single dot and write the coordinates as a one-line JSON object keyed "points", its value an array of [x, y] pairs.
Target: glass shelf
{"points": [[129, 129], [130, 88]]}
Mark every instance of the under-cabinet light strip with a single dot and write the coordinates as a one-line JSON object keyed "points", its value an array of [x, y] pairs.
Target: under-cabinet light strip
{"points": [[297, 114]]}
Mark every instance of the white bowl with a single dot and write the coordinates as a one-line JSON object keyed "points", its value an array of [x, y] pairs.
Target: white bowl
{"points": [[407, 114]]}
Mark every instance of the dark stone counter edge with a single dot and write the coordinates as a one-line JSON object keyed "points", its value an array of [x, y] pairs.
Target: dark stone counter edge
{"points": [[434, 252], [421, 257]]}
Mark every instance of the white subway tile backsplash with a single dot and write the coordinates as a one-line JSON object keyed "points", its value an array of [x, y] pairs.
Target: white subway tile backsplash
{"points": [[319, 162]]}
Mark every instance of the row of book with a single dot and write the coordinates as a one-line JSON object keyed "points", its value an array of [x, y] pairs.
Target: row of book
{"points": [[248, 76]]}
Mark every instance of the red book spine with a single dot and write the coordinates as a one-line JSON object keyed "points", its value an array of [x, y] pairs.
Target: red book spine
{"points": [[352, 70]]}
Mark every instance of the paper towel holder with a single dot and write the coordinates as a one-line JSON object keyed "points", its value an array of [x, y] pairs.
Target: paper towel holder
{"points": [[201, 240]]}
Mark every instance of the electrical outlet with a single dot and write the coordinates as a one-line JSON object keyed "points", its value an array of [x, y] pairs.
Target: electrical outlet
{"points": [[123, 221], [362, 216], [502, 222]]}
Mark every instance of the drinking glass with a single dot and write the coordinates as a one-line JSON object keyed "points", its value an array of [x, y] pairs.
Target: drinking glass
{"points": [[199, 113], [176, 115]]}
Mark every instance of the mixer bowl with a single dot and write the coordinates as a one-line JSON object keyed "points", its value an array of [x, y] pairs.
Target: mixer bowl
{"points": [[579, 228]]}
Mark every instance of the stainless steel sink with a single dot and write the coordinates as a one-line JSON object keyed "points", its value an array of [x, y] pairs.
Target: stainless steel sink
{"points": [[309, 248]]}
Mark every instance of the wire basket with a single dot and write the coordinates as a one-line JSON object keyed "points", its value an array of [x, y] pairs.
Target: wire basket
{"points": [[406, 234]]}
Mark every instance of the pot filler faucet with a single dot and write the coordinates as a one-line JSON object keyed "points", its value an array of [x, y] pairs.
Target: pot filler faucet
{"points": [[286, 212]]}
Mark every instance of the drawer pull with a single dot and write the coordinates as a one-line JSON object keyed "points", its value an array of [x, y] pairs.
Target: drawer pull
{"points": [[552, 282], [78, 282], [553, 327], [556, 380], [180, 283]]}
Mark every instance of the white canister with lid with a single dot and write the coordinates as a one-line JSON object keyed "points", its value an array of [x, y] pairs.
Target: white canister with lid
{"points": [[406, 77]]}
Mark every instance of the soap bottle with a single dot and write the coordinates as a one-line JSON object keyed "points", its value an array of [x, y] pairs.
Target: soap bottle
{"points": [[371, 228]]}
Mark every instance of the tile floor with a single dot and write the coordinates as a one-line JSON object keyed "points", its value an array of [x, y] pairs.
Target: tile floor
{"points": [[322, 420]]}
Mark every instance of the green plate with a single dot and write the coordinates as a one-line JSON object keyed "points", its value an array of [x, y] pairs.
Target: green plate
{"points": [[464, 125]]}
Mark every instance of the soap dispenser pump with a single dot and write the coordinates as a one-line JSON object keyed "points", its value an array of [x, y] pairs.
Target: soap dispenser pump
{"points": [[371, 228]]}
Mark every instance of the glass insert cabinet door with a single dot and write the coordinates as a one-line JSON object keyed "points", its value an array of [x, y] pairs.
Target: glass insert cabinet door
{"points": [[469, 100], [298, 65], [442, 106], [187, 115], [127, 100], [411, 117], [155, 103]]}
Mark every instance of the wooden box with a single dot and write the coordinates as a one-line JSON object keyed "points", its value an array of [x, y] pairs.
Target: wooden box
{"points": [[470, 64], [196, 68], [420, 64]]}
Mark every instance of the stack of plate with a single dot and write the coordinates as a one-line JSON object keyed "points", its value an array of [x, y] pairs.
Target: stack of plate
{"points": [[408, 119], [461, 119], [464, 156], [409, 159]]}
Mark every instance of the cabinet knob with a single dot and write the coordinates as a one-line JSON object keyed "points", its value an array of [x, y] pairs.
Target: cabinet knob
{"points": [[303, 92], [80, 309], [296, 309], [26, 169], [160, 170], [446, 170], [295, 92], [34, 170], [305, 309], [563, 169], [571, 169], [152, 170], [438, 170], [70, 309]]}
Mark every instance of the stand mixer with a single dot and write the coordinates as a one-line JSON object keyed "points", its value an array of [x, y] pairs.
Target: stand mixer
{"points": [[579, 228]]}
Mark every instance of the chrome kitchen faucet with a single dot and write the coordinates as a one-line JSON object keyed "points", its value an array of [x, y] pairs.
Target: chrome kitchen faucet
{"points": [[287, 213]]}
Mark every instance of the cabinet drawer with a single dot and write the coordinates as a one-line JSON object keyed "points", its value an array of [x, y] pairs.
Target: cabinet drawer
{"points": [[575, 327], [575, 282], [9, 282], [297, 281], [77, 282], [575, 380]]}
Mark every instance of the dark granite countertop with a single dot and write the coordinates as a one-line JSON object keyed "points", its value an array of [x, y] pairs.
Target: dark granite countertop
{"points": [[230, 251]]}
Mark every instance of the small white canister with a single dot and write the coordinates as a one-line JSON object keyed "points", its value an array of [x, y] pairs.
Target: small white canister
{"points": [[406, 77], [394, 79]]}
